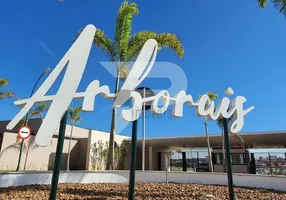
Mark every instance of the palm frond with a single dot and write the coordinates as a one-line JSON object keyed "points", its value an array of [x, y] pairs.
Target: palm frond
{"points": [[123, 28], [212, 95], [39, 109], [220, 122], [102, 41], [7, 94], [262, 3], [20, 98], [35, 113], [3, 82], [278, 4], [71, 113], [74, 114], [164, 40]]}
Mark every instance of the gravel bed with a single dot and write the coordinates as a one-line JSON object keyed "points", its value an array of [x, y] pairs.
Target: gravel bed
{"points": [[143, 191]]}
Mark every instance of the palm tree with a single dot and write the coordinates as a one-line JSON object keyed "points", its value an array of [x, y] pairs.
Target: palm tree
{"points": [[74, 116], [124, 49], [27, 147], [5, 94], [39, 109], [279, 4], [221, 126], [212, 96]]}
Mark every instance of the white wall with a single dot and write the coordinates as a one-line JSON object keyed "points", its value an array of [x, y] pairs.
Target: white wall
{"points": [[104, 137], [38, 158], [259, 181], [94, 137], [77, 132]]}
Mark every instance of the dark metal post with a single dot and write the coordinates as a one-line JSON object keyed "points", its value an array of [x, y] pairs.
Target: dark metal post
{"points": [[171, 161], [133, 161], [228, 160], [58, 158], [184, 161], [252, 163]]}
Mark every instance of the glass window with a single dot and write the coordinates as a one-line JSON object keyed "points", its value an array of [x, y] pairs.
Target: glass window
{"points": [[238, 158], [218, 159]]}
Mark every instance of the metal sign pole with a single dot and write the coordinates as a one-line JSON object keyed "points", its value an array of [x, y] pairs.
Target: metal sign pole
{"points": [[133, 161], [228, 160], [143, 131], [58, 158]]}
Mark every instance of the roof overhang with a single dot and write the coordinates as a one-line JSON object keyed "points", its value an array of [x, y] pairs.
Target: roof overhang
{"points": [[269, 139]]}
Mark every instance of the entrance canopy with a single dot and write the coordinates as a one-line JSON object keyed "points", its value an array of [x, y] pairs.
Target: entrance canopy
{"points": [[271, 139]]}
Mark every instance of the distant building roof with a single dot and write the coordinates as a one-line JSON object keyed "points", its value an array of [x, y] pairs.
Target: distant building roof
{"points": [[268, 139], [34, 125]]}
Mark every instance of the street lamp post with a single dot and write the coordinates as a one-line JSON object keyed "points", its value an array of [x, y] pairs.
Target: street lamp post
{"points": [[27, 116], [144, 92]]}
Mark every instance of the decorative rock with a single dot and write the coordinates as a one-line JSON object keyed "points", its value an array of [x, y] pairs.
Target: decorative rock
{"points": [[209, 196], [147, 191]]}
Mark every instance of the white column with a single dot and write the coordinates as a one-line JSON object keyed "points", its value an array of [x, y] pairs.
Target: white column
{"points": [[87, 161], [165, 155]]}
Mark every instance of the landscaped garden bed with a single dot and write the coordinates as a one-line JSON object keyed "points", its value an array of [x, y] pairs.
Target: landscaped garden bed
{"points": [[143, 191]]}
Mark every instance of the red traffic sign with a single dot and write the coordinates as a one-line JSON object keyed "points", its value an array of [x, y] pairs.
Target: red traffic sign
{"points": [[24, 132]]}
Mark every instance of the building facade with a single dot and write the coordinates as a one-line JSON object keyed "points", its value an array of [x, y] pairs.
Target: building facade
{"points": [[89, 150]]}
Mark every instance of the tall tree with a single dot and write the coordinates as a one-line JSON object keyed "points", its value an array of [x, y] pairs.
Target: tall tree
{"points": [[124, 48], [5, 94], [212, 97], [279, 4], [74, 116]]}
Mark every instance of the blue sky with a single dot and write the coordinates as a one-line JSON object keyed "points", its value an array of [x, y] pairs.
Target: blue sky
{"points": [[226, 44]]}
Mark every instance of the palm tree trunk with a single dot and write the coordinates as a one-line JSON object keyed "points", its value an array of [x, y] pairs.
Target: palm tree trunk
{"points": [[68, 159], [209, 147], [110, 156]]}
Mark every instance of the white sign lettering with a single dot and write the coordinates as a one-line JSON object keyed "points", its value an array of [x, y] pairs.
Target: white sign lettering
{"points": [[75, 60]]}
